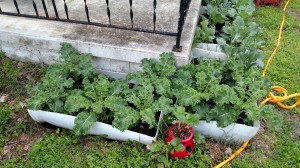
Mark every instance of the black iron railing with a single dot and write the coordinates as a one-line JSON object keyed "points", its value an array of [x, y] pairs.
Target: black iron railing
{"points": [[183, 9]]}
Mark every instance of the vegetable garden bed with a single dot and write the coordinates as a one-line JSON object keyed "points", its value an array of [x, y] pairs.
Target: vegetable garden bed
{"points": [[220, 92], [98, 128]]}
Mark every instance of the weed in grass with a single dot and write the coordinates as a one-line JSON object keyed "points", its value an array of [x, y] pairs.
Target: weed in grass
{"points": [[15, 75], [8, 75], [4, 119], [62, 149]]}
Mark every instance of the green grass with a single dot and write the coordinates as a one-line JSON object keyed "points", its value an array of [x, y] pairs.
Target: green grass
{"points": [[284, 68], [62, 149], [281, 147], [13, 82]]}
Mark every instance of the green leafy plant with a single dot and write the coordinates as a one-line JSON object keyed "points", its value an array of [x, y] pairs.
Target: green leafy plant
{"points": [[228, 90], [5, 112], [217, 14], [164, 149], [9, 73], [71, 86], [212, 90], [204, 33], [220, 11], [241, 39]]}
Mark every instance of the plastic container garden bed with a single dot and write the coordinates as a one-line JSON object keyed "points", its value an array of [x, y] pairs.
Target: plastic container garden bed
{"points": [[140, 133], [212, 90], [72, 95], [235, 132]]}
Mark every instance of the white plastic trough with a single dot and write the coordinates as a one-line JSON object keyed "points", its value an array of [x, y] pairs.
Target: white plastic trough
{"points": [[237, 133], [99, 128], [207, 50]]}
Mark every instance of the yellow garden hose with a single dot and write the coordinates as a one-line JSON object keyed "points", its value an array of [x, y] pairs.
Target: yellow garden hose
{"points": [[271, 97], [233, 155]]}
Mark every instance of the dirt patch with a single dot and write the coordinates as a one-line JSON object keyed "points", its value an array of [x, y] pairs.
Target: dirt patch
{"points": [[263, 141], [294, 119], [19, 146], [181, 131], [219, 151], [294, 13], [21, 133]]}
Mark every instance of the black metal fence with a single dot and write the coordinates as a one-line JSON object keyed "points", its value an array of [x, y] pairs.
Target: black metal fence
{"points": [[183, 9]]}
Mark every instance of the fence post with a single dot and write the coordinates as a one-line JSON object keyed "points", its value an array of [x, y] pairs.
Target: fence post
{"points": [[182, 8]]}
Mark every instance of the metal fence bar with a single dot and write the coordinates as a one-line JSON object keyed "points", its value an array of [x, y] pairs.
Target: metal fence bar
{"points": [[66, 9], [184, 4], [55, 9], [87, 12], [131, 13], [94, 24], [183, 10], [108, 11], [45, 8], [35, 8], [154, 14], [17, 7]]}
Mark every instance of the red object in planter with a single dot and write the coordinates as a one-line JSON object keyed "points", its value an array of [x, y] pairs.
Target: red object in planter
{"points": [[187, 143], [268, 2]]}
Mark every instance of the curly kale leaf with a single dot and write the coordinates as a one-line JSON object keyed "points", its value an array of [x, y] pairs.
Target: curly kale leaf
{"points": [[57, 106], [37, 102], [185, 117], [201, 109], [76, 103], [224, 94], [182, 79], [142, 94], [78, 65], [163, 104], [148, 116], [188, 97], [83, 123], [118, 88], [98, 89], [162, 86], [97, 107], [166, 65], [224, 115], [125, 118], [115, 103]]}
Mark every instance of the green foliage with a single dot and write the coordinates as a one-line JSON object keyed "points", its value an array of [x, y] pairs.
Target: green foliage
{"points": [[204, 33], [232, 90], [163, 150], [212, 90], [71, 86], [62, 149], [185, 117], [222, 11], [198, 138], [83, 122], [5, 112], [8, 73]]}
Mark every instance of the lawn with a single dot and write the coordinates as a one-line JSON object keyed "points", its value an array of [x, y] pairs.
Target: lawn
{"points": [[25, 143]]}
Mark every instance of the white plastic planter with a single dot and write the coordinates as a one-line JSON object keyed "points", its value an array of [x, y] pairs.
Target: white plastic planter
{"points": [[207, 50], [237, 133], [99, 128]]}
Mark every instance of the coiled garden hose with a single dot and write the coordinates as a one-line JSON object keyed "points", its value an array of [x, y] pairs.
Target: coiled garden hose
{"points": [[271, 97]]}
